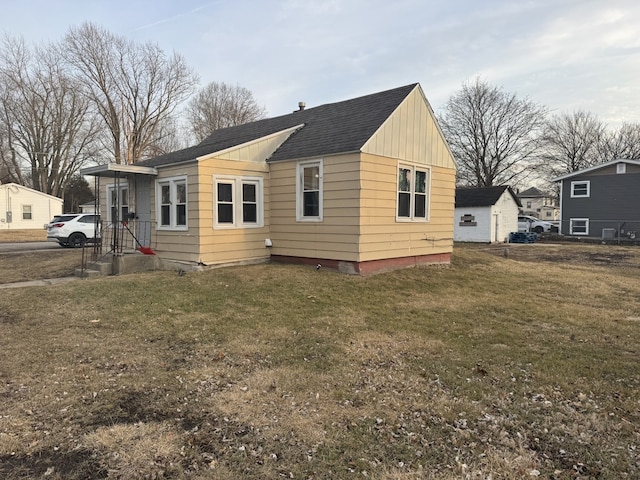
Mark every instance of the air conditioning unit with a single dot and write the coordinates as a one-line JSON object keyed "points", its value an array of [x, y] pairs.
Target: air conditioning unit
{"points": [[608, 234]]}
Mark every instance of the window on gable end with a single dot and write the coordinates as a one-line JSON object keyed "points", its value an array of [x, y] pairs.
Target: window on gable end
{"points": [[413, 193], [580, 189]]}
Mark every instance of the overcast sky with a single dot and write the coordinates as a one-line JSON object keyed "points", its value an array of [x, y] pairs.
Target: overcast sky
{"points": [[563, 54]]}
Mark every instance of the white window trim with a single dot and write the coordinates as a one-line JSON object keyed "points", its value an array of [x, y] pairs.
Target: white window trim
{"points": [[110, 187], [586, 220], [172, 181], [581, 182], [30, 212], [621, 168], [299, 191], [236, 192], [414, 167]]}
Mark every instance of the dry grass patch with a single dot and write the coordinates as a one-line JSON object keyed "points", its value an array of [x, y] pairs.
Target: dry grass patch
{"points": [[22, 267], [275, 371], [137, 450], [11, 236]]}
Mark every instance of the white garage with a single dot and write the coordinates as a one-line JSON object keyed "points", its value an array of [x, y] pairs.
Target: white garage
{"points": [[486, 214]]}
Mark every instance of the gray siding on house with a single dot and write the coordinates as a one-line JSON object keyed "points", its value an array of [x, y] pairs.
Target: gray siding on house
{"points": [[613, 202]]}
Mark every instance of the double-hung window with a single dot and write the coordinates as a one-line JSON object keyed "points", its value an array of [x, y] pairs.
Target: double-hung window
{"points": [[26, 212], [309, 195], [579, 226], [413, 193], [238, 202], [580, 189], [171, 201]]}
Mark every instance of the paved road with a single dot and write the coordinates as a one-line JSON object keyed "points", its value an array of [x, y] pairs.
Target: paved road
{"points": [[27, 247]]}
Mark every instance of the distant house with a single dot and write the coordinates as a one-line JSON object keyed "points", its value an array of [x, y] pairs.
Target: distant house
{"points": [[24, 208], [361, 185], [486, 214], [88, 207], [601, 201], [539, 204]]}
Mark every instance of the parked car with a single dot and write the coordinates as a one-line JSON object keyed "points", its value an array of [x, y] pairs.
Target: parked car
{"points": [[74, 230], [527, 223]]}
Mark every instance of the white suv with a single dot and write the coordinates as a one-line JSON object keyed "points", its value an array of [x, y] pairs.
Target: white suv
{"points": [[74, 230], [527, 223]]}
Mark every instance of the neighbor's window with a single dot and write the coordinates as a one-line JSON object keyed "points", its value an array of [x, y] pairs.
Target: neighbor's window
{"points": [[238, 201], [309, 191], [413, 192], [580, 189], [171, 203], [26, 212], [579, 226], [118, 202]]}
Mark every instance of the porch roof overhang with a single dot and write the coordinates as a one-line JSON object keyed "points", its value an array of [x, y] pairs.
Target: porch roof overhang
{"points": [[117, 170]]}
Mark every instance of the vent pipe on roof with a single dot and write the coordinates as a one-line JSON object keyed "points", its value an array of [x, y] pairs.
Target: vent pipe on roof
{"points": [[301, 106]]}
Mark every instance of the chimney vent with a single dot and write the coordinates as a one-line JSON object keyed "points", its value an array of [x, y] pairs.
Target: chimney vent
{"points": [[301, 105]]}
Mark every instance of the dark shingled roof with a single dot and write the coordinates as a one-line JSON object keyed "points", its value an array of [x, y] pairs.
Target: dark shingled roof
{"points": [[481, 196], [532, 192], [328, 129]]}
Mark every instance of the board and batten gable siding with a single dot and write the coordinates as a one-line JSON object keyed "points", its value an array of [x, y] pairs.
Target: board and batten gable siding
{"points": [[336, 236], [411, 133], [231, 245], [257, 151], [14, 197], [613, 199]]}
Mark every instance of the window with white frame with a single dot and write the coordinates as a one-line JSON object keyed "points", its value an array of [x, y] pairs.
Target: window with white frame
{"points": [[238, 202], [579, 226], [413, 193], [117, 202], [580, 189], [621, 168], [26, 212], [309, 195], [171, 203]]}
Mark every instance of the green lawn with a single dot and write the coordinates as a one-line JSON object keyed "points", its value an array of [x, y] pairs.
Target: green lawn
{"points": [[493, 368]]}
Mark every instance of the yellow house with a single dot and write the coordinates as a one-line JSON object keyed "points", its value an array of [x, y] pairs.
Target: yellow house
{"points": [[362, 185]]}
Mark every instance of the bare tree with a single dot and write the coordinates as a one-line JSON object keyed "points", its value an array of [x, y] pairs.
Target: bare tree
{"points": [[45, 116], [135, 87], [622, 143], [571, 142], [219, 105], [11, 165], [492, 134]]}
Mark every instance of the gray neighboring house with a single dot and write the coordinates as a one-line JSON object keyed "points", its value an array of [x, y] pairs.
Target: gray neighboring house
{"points": [[601, 201]]}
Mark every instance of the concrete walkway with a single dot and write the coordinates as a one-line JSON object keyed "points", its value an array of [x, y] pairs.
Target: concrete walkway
{"points": [[39, 283]]}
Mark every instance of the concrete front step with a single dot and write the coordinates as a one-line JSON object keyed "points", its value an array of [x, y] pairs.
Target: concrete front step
{"points": [[121, 264]]}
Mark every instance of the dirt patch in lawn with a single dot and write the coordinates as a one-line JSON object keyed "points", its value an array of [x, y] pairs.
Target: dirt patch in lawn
{"points": [[571, 253]]}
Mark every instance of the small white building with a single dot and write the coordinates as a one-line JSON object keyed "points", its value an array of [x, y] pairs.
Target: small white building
{"points": [[23, 208], [486, 214]]}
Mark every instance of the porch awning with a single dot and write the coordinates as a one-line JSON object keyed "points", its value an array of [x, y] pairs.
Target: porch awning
{"points": [[117, 170]]}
